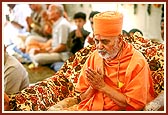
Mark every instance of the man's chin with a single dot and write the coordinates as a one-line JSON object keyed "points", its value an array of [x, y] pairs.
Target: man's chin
{"points": [[104, 56]]}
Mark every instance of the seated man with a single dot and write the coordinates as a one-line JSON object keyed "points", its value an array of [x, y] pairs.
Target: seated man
{"points": [[54, 49], [15, 75], [17, 27], [37, 23], [116, 76]]}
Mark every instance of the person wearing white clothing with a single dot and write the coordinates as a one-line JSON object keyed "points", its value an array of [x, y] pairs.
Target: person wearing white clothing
{"points": [[55, 49]]}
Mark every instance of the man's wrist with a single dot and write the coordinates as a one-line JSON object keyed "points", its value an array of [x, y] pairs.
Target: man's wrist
{"points": [[103, 88]]}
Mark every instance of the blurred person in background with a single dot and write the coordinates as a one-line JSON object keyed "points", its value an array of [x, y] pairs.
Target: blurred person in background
{"points": [[15, 75], [55, 48], [89, 40], [77, 37]]}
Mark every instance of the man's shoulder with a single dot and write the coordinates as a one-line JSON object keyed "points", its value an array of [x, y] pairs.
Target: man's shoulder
{"points": [[139, 54], [139, 58], [12, 62], [64, 21]]}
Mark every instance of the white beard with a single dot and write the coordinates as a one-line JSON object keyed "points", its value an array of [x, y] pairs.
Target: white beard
{"points": [[107, 56]]}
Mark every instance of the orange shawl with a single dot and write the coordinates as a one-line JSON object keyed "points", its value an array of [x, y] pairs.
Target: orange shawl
{"points": [[134, 73]]}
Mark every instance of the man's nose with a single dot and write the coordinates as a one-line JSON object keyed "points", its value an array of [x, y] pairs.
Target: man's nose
{"points": [[100, 45]]}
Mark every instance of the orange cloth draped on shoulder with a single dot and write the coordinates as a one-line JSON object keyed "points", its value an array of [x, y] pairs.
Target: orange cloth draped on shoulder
{"points": [[134, 73]]}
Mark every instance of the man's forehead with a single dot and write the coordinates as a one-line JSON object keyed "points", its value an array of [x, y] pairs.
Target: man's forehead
{"points": [[52, 7], [99, 37]]}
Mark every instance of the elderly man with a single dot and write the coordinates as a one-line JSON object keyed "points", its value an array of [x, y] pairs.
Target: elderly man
{"points": [[54, 49], [115, 76]]}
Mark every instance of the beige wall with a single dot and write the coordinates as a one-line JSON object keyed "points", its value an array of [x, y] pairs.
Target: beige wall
{"points": [[148, 24]]}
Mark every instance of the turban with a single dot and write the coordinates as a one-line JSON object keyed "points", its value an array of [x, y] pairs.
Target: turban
{"points": [[108, 23]]}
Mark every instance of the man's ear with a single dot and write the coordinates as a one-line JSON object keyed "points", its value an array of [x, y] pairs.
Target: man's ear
{"points": [[84, 21], [120, 40]]}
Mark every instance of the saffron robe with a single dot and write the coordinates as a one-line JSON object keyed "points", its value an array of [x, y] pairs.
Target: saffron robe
{"points": [[134, 72]]}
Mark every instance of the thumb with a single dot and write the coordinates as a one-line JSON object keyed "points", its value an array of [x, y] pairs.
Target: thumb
{"points": [[99, 70]]}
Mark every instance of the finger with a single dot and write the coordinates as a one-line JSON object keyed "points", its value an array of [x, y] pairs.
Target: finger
{"points": [[89, 76], [92, 71], [89, 80]]}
